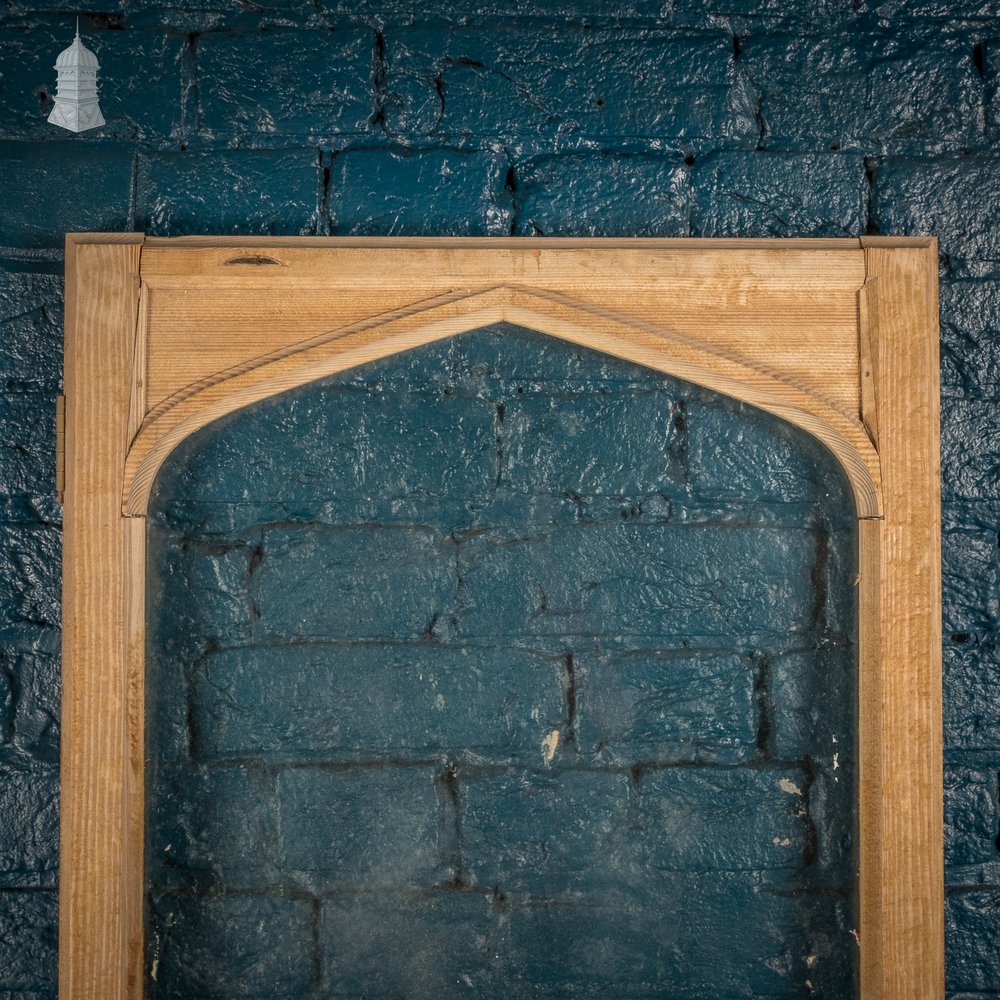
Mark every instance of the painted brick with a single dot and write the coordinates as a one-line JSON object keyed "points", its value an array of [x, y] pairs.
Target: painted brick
{"points": [[971, 816], [93, 16], [506, 360], [28, 941], [205, 590], [811, 702], [144, 84], [170, 663], [410, 192], [264, 193], [689, 937], [971, 568], [228, 945], [30, 563], [29, 694], [360, 827], [871, 91], [35, 171], [832, 851], [275, 84], [742, 455], [198, 17], [435, 946], [545, 833], [662, 706], [991, 73], [947, 11], [592, 194], [662, 580], [391, 702], [970, 451], [228, 521], [353, 582], [27, 460], [970, 339], [30, 331], [27, 82], [29, 826], [956, 198], [773, 13], [326, 443], [401, 12], [623, 444], [972, 922], [972, 692], [420, 946], [209, 827], [777, 194], [691, 819], [558, 81]]}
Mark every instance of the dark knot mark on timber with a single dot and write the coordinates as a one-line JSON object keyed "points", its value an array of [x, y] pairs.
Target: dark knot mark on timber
{"points": [[257, 260]]}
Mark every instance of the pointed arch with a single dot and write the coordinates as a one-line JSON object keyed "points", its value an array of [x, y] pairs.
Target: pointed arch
{"points": [[556, 315]]}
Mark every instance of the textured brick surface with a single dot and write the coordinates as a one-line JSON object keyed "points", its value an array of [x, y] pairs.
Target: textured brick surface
{"points": [[666, 707], [230, 945], [494, 702], [415, 192], [31, 333], [29, 800], [314, 84], [758, 117], [777, 194], [971, 926], [451, 695], [595, 194], [575, 579], [560, 81], [970, 802], [27, 941], [349, 827], [379, 583], [35, 171], [956, 198], [547, 834], [501, 944], [264, 193], [144, 76], [863, 91], [970, 339]]}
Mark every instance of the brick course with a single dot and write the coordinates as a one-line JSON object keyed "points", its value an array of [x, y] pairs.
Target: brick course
{"points": [[752, 118]]}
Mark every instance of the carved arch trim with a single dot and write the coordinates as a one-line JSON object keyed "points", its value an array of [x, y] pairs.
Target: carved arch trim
{"points": [[197, 405]]}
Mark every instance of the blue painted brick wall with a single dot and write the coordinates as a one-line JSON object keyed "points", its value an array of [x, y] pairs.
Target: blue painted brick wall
{"points": [[755, 117], [406, 579]]}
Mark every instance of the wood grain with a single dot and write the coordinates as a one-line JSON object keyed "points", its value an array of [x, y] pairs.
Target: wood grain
{"points": [[909, 963], [626, 337], [802, 315], [836, 336], [97, 846]]}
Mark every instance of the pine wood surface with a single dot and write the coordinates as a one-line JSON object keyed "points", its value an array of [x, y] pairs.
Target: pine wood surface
{"points": [[836, 336]]}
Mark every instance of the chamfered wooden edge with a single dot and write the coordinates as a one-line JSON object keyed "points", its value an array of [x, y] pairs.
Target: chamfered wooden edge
{"points": [[901, 828]]}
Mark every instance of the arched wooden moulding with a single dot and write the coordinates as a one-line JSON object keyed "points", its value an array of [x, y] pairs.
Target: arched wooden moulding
{"points": [[838, 337]]}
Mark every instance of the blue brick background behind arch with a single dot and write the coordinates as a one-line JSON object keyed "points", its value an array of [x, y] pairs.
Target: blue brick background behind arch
{"points": [[374, 599], [753, 118]]}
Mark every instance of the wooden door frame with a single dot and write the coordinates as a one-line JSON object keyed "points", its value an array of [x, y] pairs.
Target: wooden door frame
{"points": [[839, 337]]}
